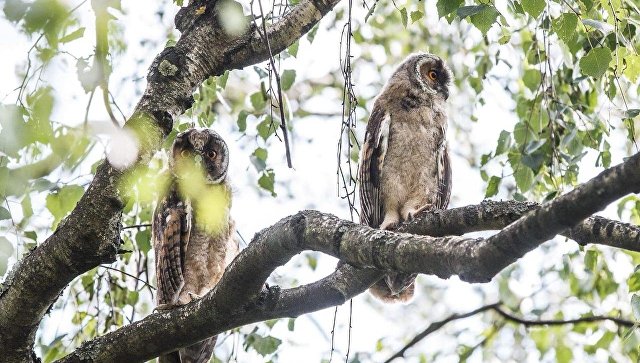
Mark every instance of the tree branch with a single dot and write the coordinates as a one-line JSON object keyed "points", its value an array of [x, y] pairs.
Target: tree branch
{"points": [[228, 306], [90, 235], [433, 327]]}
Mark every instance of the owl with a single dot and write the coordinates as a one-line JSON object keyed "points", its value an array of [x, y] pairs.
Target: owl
{"points": [[404, 164], [192, 231]]}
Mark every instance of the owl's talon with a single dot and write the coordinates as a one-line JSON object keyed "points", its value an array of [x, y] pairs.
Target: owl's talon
{"points": [[165, 307], [194, 296]]}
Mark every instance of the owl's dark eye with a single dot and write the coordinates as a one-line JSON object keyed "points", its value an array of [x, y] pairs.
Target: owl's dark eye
{"points": [[211, 154], [432, 75]]}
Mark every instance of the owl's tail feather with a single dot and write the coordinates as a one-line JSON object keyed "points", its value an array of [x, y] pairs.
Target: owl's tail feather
{"points": [[394, 287], [172, 357], [199, 352]]}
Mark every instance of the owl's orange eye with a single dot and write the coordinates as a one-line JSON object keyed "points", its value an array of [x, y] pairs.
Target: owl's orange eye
{"points": [[211, 154], [432, 75]]}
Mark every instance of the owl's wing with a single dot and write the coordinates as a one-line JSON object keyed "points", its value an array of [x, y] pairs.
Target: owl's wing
{"points": [[374, 150], [171, 231], [444, 179]]}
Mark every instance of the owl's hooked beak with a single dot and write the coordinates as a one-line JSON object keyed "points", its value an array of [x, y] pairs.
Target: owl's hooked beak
{"points": [[445, 93]]}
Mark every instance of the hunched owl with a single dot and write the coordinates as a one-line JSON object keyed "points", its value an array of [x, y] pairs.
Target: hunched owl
{"points": [[404, 164], [193, 233]]}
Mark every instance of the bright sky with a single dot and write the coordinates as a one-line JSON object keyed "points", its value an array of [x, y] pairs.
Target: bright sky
{"points": [[312, 184]]}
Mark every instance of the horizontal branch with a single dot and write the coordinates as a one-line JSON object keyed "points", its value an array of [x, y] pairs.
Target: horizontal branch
{"points": [[373, 251], [433, 327]]}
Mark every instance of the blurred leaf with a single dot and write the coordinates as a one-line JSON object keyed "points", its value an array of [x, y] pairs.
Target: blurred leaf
{"points": [[403, 16], [416, 15], [287, 79], [492, 188], [267, 181], [604, 28], [259, 158], [532, 79], [14, 10], [222, 80], [465, 11], [257, 100], [293, 48], [61, 202], [262, 345], [590, 260], [635, 306], [143, 240], [524, 178], [76, 34], [596, 62], [633, 67], [504, 142], [27, 209], [4, 213], [266, 128], [242, 121], [6, 250]]}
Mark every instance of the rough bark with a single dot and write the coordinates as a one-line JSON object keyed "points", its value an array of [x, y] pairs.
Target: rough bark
{"points": [[90, 235], [373, 251]]}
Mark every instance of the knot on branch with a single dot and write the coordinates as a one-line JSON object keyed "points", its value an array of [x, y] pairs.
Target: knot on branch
{"points": [[170, 63], [187, 16]]}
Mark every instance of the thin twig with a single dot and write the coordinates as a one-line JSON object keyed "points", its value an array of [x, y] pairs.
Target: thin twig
{"points": [[433, 327]]}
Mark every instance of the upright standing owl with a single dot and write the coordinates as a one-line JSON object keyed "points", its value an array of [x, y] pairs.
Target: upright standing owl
{"points": [[404, 165], [193, 233]]}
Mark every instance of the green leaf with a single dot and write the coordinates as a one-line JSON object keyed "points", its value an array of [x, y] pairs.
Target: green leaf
{"points": [[504, 142], [635, 306], [265, 345], [492, 188], [633, 282], [293, 48], [446, 7], [534, 7], [267, 181], [259, 158], [524, 178], [4, 214], [403, 16], [565, 26], [266, 128], [564, 354], [484, 19], [222, 80], [532, 78], [257, 100], [633, 67], [291, 324], [143, 240], [287, 78], [590, 259], [312, 261], [416, 15], [465, 11], [242, 120], [76, 34], [6, 250], [63, 201], [596, 62], [27, 209]]}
